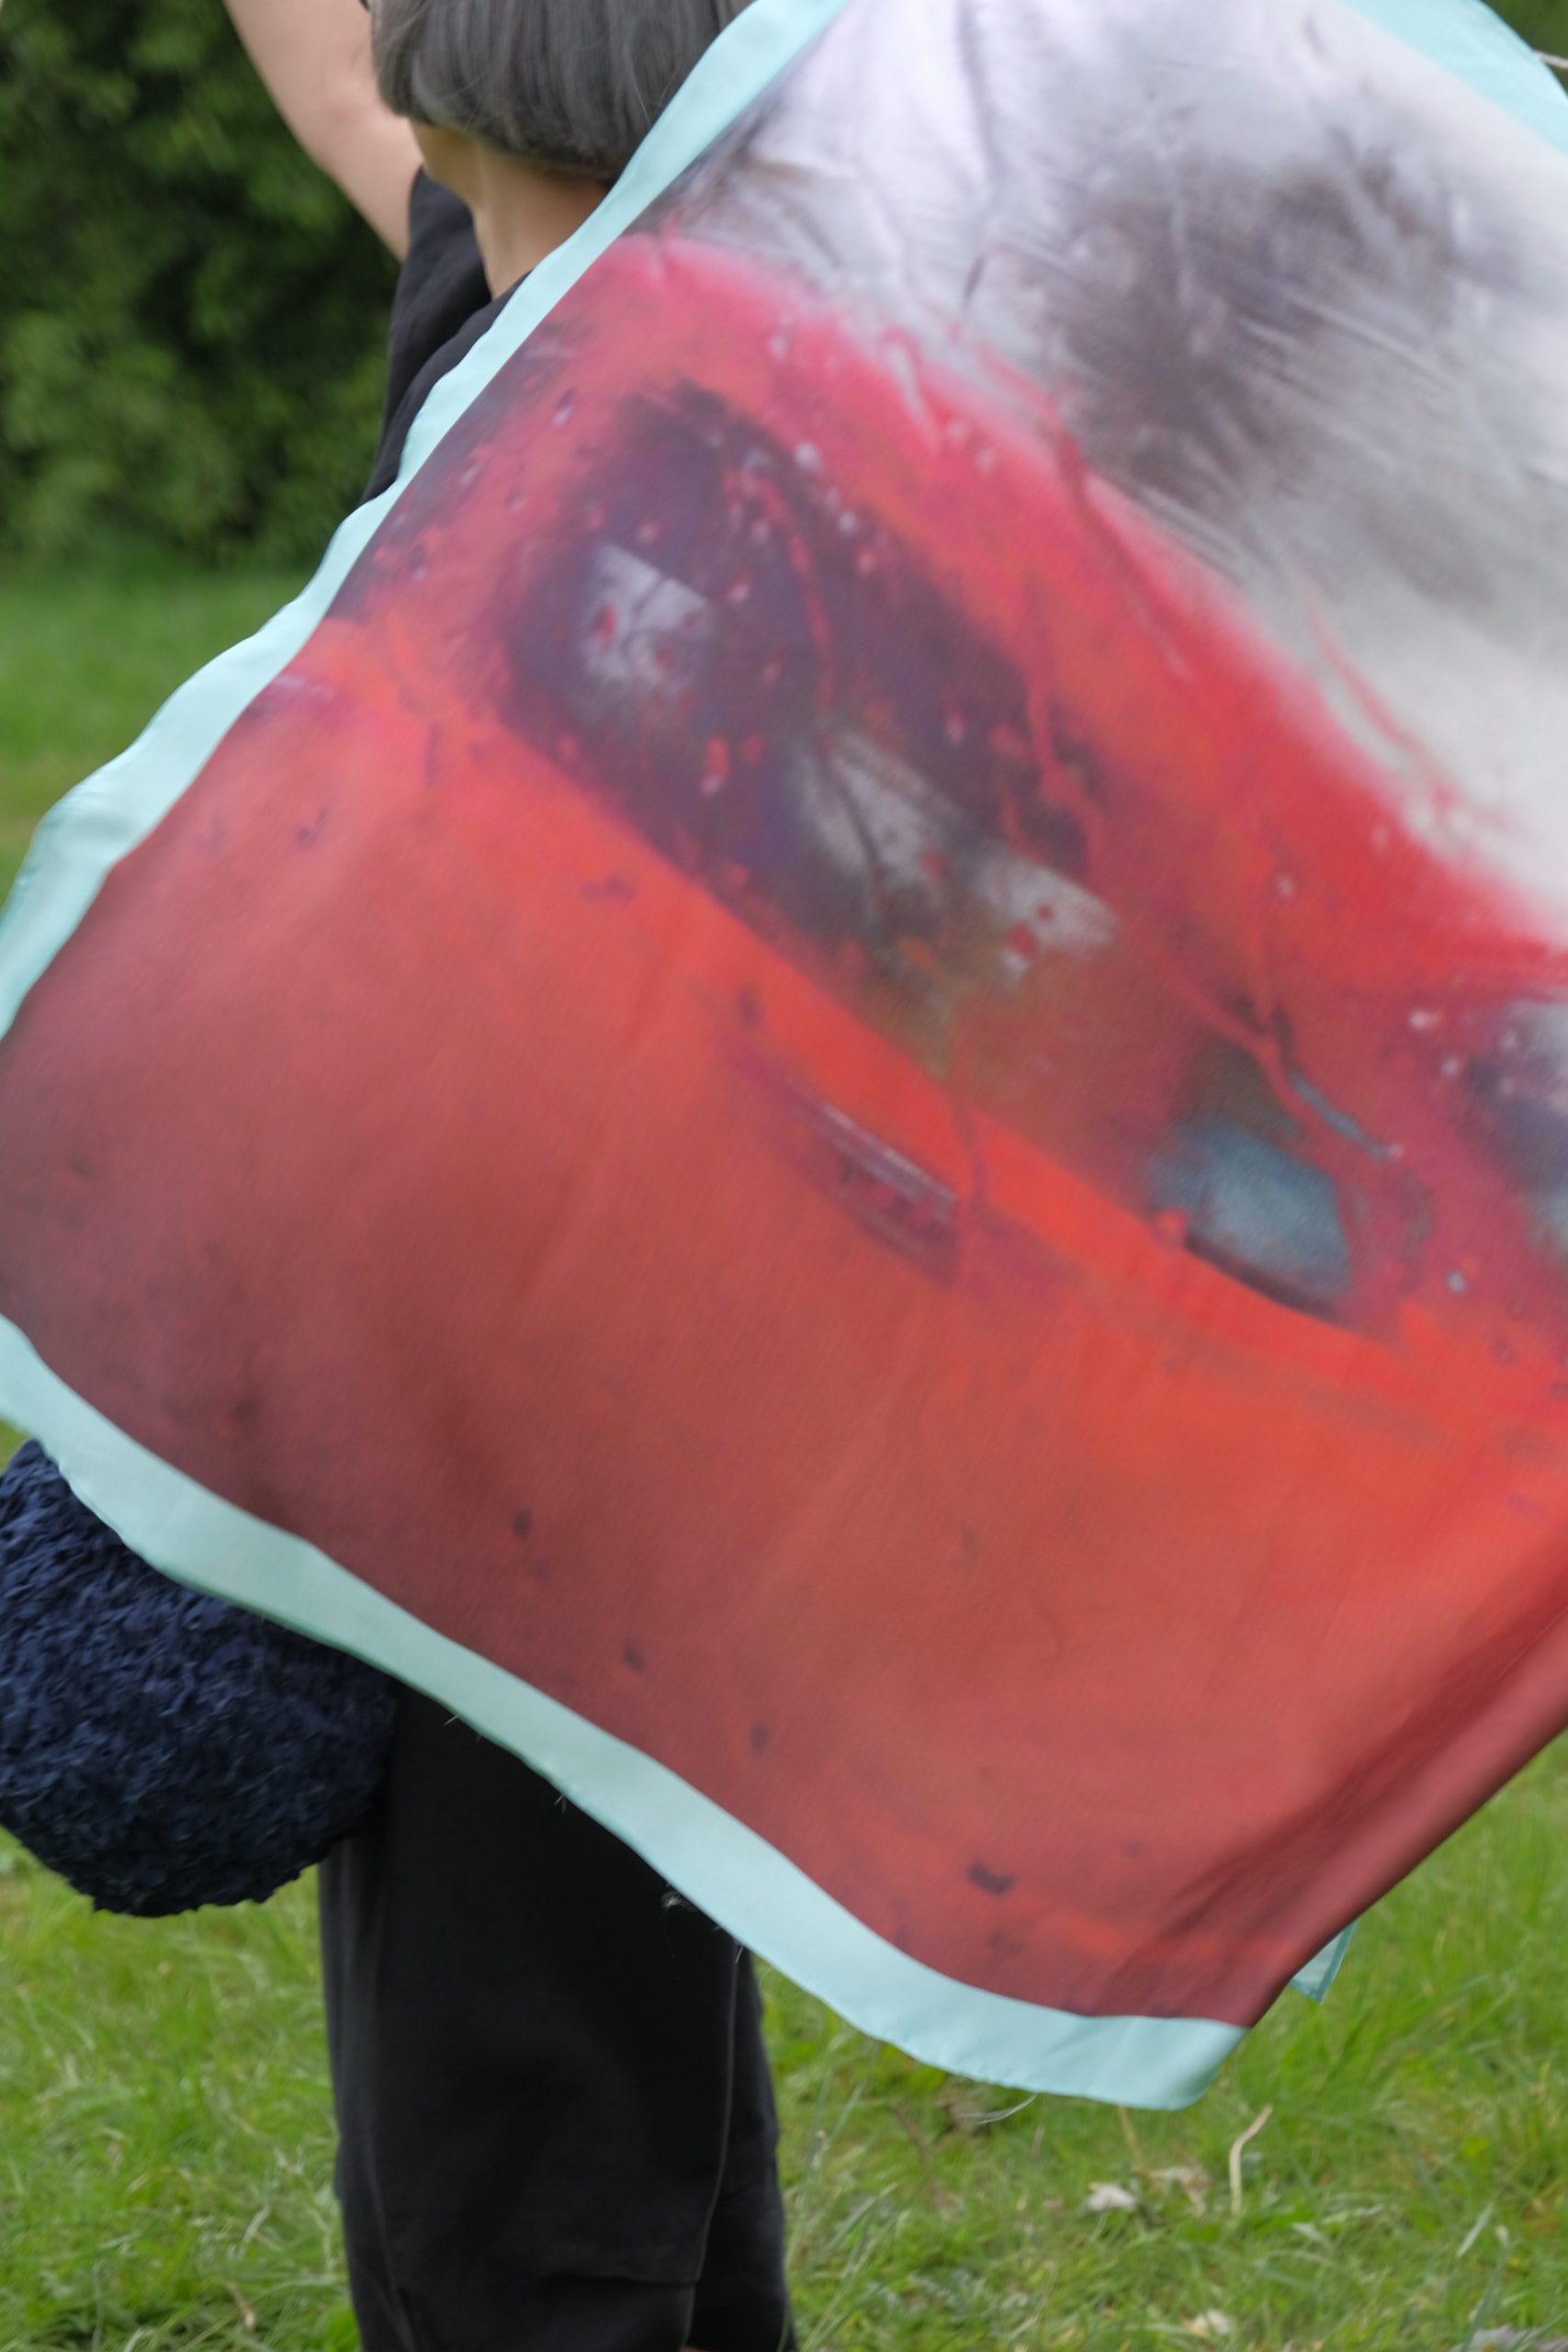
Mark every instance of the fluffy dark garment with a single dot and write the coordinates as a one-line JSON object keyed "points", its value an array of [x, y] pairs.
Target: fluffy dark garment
{"points": [[158, 1748]]}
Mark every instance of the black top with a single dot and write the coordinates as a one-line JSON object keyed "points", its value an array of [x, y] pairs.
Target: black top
{"points": [[442, 306]]}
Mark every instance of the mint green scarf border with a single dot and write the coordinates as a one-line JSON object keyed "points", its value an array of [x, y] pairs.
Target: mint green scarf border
{"points": [[755, 1890], [103, 819], [749, 1885], [760, 1895], [1472, 43]]}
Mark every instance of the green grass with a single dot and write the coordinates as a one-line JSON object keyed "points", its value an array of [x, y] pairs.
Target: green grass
{"points": [[165, 2144], [88, 657], [165, 2133], [85, 659]]}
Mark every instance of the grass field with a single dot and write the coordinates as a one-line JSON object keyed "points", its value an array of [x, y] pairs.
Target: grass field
{"points": [[86, 659], [165, 2136]]}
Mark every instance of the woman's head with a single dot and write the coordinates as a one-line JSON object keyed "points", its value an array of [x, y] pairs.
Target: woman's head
{"points": [[569, 84]]}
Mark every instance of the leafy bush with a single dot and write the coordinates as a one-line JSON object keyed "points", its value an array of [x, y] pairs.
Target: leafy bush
{"points": [[192, 321], [1543, 22]]}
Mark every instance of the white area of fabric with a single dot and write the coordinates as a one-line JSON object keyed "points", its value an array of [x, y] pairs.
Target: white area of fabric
{"points": [[1235, 245]]}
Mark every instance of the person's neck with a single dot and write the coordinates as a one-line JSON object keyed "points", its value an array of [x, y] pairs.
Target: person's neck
{"points": [[521, 213]]}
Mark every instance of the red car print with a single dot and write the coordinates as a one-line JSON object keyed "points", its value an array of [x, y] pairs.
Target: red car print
{"points": [[791, 1083]]}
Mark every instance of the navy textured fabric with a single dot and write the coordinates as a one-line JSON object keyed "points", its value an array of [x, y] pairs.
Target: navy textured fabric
{"points": [[158, 1748]]}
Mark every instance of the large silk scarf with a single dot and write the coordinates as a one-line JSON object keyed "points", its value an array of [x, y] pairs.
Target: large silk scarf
{"points": [[839, 1086]]}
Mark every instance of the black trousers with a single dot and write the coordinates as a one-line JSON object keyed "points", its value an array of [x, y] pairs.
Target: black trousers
{"points": [[556, 2120]]}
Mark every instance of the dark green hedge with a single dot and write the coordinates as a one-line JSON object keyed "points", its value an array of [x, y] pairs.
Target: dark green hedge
{"points": [[191, 318], [1544, 22]]}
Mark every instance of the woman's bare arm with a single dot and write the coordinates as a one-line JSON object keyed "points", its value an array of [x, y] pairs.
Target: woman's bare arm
{"points": [[314, 56]]}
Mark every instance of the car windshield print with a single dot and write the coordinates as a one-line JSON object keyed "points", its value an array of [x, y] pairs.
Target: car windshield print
{"points": [[774, 694]]}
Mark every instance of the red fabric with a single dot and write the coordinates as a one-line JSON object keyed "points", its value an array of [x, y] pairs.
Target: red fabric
{"points": [[750, 1321]]}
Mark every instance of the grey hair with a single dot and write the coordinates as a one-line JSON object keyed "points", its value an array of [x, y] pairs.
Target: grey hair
{"points": [[572, 84]]}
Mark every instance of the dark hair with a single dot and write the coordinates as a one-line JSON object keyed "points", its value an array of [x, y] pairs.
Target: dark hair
{"points": [[574, 85]]}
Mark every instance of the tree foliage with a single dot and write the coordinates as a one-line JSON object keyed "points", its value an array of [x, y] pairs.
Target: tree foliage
{"points": [[1543, 23], [192, 320]]}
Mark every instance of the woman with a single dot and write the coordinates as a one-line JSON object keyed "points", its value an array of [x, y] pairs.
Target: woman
{"points": [[556, 2122]]}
